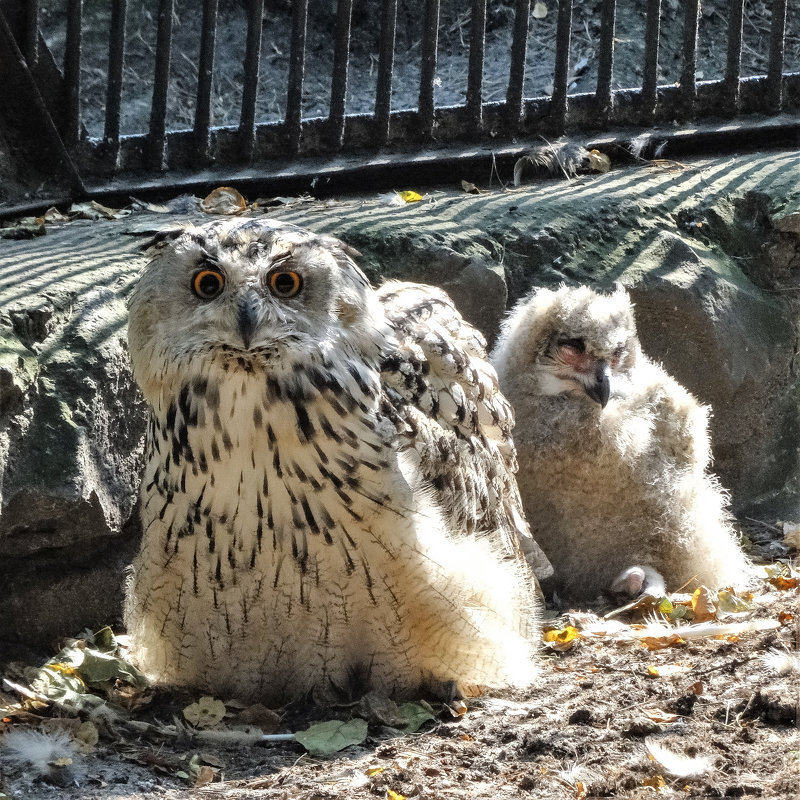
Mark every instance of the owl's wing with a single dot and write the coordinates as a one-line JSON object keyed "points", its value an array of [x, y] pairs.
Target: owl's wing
{"points": [[451, 415]]}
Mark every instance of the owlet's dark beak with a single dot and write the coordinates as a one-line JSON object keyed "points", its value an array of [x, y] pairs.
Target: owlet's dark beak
{"points": [[600, 389], [247, 315]]}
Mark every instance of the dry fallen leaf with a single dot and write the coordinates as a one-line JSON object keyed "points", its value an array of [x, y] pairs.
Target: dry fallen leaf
{"points": [[470, 188], [223, 200], [785, 584], [729, 602], [260, 716], [52, 215], [659, 715], [203, 776], [205, 713], [703, 605], [598, 161], [667, 670], [660, 642], [94, 210], [791, 530]]}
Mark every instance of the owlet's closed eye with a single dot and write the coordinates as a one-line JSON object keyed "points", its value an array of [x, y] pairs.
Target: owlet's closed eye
{"points": [[208, 283]]}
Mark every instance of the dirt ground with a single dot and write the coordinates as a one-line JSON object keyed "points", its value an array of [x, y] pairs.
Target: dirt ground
{"points": [[585, 729], [453, 53]]}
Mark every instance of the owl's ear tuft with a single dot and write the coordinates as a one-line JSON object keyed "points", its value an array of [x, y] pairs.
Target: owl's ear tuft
{"points": [[340, 250], [160, 237]]}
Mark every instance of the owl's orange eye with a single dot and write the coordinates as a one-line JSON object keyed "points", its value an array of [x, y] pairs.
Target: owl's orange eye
{"points": [[208, 284], [284, 283]]}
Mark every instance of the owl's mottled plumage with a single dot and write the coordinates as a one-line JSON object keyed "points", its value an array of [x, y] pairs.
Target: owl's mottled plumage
{"points": [[329, 489], [613, 452]]}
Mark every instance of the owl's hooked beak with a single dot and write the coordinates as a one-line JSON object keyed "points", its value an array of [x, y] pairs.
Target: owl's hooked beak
{"points": [[600, 389], [247, 316]]}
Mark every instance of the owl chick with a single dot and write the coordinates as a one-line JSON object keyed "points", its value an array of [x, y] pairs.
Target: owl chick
{"points": [[613, 452], [329, 500]]}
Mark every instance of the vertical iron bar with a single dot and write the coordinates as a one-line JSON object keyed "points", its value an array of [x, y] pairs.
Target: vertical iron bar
{"points": [[516, 77], [341, 61], [297, 59], [205, 77], [688, 84], [252, 61], [383, 92], [56, 155], [561, 71], [116, 56], [158, 109], [30, 46], [733, 66], [72, 74], [427, 69], [605, 59], [775, 65], [477, 47], [650, 67]]}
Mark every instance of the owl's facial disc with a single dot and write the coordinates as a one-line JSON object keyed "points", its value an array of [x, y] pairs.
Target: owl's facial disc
{"points": [[571, 368]]}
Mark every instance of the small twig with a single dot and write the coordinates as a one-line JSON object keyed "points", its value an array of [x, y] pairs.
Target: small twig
{"points": [[29, 693], [765, 524]]}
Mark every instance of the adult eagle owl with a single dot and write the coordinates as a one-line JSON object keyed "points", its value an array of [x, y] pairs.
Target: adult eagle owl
{"points": [[613, 452], [329, 500]]}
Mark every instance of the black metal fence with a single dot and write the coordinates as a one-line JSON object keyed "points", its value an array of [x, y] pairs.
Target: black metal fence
{"points": [[48, 79]]}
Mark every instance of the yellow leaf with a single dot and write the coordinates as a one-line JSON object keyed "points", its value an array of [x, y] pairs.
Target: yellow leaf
{"points": [[392, 795], [409, 196], [64, 669], [703, 605], [656, 782], [370, 771], [561, 639]]}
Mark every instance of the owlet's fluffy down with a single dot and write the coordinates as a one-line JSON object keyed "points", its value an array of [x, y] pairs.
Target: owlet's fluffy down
{"points": [[613, 452], [329, 501]]}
